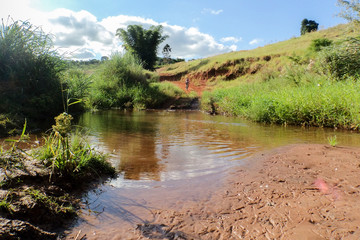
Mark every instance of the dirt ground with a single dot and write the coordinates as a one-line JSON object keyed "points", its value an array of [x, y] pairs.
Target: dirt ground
{"points": [[294, 192]]}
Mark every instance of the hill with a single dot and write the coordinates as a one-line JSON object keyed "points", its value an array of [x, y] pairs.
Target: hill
{"points": [[230, 69], [309, 80]]}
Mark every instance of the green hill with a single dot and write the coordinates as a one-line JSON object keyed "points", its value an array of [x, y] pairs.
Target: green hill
{"points": [[250, 64], [289, 82]]}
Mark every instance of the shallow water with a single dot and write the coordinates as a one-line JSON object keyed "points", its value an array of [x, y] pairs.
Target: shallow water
{"points": [[166, 158]]}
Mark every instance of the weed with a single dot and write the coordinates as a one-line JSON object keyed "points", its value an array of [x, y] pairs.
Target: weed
{"points": [[332, 140], [69, 155], [5, 204], [54, 204]]}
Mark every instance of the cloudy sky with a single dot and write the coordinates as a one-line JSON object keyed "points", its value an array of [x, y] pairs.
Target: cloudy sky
{"points": [[85, 29]]}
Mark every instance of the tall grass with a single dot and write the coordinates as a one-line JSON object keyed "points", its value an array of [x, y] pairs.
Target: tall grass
{"points": [[317, 103], [29, 72]]}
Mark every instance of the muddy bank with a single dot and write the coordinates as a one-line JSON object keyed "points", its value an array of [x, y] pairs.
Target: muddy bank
{"points": [[35, 203], [295, 192]]}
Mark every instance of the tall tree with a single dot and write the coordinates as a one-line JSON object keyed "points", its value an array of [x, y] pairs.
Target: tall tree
{"points": [[143, 43], [308, 26]]}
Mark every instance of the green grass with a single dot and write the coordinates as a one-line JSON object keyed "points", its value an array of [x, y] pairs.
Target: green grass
{"points": [[295, 45], [320, 102], [333, 141]]}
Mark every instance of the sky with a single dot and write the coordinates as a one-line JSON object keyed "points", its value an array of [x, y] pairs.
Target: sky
{"points": [[85, 29]]}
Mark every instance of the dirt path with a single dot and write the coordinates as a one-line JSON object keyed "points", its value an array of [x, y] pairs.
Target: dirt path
{"points": [[296, 192], [197, 87]]}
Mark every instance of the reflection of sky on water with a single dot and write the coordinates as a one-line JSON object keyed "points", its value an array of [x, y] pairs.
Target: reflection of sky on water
{"points": [[164, 146]]}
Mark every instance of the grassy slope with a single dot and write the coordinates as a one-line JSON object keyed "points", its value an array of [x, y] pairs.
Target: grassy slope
{"points": [[276, 84], [279, 52]]}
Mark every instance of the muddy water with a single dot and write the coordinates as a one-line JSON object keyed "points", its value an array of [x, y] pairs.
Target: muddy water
{"points": [[165, 159]]}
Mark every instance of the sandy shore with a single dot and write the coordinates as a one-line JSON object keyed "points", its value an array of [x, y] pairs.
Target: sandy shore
{"points": [[294, 192]]}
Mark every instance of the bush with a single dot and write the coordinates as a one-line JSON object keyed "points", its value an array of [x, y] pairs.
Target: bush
{"points": [[123, 83], [29, 72], [341, 60], [317, 44]]}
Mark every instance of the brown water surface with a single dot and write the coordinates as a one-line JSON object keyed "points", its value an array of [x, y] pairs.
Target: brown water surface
{"points": [[166, 158]]}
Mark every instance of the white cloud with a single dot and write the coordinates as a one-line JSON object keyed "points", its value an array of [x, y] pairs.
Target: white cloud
{"points": [[256, 41], [231, 39], [212, 11], [80, 35]]}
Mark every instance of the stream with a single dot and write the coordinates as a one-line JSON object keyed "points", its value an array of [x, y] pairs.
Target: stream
{"points": [[167, 158]]}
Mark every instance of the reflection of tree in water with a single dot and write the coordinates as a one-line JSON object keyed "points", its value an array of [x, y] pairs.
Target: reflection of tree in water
{"points": [[138, 157], [131, 135]]}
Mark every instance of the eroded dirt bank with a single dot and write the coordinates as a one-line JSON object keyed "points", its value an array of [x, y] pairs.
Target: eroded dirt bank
{"points": [[295, 192]]}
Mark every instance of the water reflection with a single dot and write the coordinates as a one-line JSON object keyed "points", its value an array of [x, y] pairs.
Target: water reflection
{"points": [[161, 145]]}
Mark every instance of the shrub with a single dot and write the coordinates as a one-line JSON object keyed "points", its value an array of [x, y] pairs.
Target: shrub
{"points": [[123, 83], [317, 44], [341, 60]]}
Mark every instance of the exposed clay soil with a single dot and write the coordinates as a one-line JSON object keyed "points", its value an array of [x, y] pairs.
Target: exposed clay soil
{"points": [[295, 192]]}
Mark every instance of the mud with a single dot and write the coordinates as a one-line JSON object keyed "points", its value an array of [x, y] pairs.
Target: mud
{"points": [[296, 192]]}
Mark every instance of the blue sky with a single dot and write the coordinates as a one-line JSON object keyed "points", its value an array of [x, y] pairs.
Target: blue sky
{"points": [[196, 28]]}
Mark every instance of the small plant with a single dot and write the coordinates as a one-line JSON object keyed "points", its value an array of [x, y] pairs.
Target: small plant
{"points": [[332, 141], [5, 205], [54, 204], [12, 157], [69, 155]]}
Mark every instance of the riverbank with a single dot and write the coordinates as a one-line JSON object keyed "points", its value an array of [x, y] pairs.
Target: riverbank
{"points": [[294, 192]]}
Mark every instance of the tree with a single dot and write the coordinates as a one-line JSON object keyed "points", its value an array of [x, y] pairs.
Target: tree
{"points": [[166, 53], [142, 43], [308, 26], [351, 10]]}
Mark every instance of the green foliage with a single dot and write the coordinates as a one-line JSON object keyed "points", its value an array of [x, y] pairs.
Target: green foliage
{"points": [[76, 89], [308, 26], [317, 44], [5, 204], [314, 101], [29, 72], [143, 43], [57, 205], [69, 155], [332, 141], [123, 83], [341, 60]]}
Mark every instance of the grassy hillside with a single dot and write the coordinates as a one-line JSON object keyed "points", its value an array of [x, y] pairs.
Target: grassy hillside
{"points": [[289, 82], [249, 65]]}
